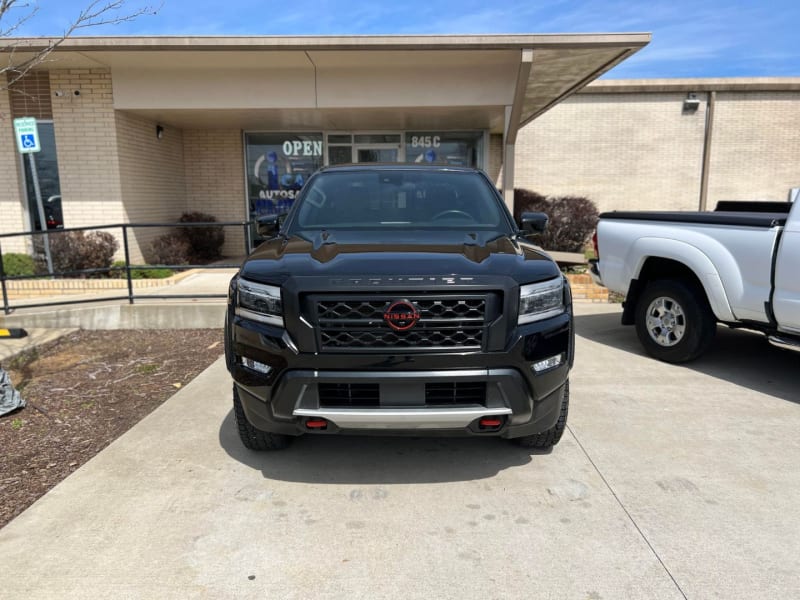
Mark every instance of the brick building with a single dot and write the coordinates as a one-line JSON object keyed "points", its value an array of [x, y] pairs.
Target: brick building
{"points": [[143, 129], [681, 144]]}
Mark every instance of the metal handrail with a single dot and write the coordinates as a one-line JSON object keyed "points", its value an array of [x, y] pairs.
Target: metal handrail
{"points": [[128, 267]]}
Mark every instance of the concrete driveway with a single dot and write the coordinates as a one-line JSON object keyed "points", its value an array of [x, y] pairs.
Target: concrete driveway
{"points": [[672, 482]]}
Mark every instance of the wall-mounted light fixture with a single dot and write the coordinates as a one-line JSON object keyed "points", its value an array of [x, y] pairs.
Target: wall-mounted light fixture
{"points": [[159, 131], [691, 103]]}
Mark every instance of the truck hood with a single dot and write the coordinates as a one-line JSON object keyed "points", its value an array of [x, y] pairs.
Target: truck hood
{"points": [[364, 253]]}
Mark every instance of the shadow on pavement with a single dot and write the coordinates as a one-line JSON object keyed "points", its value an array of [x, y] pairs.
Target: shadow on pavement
{"points": [[744, 358], [371, 459]]}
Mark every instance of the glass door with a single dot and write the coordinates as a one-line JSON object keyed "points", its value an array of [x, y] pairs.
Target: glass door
{"points": [[377, 147], [377, 154], [364, 148]]}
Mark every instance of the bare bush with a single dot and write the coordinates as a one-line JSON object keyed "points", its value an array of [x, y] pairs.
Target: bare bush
{"points": [[170, 249], [572, 219], [77, 251], [206, 242]]}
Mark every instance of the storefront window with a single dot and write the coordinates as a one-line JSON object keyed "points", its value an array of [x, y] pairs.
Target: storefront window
{"points": [[278, 165], [461, 149], [47, 170], [377, 138], [338, 155]]}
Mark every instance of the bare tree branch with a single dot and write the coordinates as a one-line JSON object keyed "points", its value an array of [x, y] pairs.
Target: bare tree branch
{"points": [[96, 14], [5, 5]]}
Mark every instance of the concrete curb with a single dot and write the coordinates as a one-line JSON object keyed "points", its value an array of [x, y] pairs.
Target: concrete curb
{"points": [[23, 289], [125, 316]]}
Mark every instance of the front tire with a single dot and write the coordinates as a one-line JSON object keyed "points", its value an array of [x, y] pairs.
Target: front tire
{"points": [[252, 438], [674, 321], [549, 438]]}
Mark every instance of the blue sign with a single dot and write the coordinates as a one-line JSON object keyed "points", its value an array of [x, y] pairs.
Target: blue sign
{"points": [[27, 134]]}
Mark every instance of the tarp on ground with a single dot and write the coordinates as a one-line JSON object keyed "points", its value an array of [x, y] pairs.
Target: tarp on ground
{"points": [[10, 398]]}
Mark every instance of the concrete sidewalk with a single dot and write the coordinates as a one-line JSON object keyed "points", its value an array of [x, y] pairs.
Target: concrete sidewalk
{"points": [[671, 482], [36, 337]]}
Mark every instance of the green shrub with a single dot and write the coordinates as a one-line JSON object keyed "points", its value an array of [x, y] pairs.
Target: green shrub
{"points": [[15, 264], [118, 272], [206, 242], [572, 219], [76, 250], [156, 273]]}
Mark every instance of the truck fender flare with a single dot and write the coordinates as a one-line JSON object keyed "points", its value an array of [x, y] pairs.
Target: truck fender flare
{"points": [[692, 258]]}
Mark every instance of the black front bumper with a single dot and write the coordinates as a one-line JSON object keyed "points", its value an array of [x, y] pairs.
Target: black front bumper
{"points": [[285, 399]]}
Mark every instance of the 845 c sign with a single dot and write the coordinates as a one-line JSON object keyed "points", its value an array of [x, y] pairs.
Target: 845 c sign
{"points": [[426, 141]]}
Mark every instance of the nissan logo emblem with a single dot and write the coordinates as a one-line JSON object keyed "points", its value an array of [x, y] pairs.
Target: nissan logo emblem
{"points": [[401, 315]]}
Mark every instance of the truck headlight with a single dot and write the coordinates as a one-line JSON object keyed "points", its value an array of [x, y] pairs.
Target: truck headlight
{"points": [[539, 301], [259, 302]]}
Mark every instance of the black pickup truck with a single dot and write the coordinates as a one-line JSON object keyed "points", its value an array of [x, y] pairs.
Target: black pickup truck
{"points": [[399, 299]]}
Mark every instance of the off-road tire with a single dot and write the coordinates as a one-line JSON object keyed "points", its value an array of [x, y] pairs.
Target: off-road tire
{"points": [[699, 321], [549, 438], [253, 438]]}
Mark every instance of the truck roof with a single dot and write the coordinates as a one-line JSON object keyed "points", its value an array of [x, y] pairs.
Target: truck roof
{"points": [[396, 167]]}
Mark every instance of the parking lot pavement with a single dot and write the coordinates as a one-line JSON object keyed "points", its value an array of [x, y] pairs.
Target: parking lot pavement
{"points": [[672, 482], [703, 456]]}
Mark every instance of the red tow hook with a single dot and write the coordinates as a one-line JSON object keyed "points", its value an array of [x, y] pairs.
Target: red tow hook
{"points": [[318, 424]]}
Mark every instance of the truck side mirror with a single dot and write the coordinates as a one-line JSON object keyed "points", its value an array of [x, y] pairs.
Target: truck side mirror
{"points": [[269, 225], [533, 222]]}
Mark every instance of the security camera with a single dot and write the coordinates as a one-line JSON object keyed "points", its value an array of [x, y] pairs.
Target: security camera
{"points": [[691, 103], [77, 92], [59, 93]]}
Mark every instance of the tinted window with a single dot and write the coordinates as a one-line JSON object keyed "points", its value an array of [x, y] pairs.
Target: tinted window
{"points": [[395, 198], [278, 165], [47, 170]]}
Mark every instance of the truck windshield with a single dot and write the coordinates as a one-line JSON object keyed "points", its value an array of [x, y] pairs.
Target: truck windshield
{"points": [[407, 199]]}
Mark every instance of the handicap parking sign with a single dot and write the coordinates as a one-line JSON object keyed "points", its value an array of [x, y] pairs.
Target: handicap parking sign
{"points": [[27, 134]]}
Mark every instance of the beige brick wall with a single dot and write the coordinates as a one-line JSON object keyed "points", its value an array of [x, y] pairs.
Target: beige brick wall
{"points": [[152, 178], [88, 160], [755, 149], [495, 168], [12, 217], [214, 163], [624, 151]]}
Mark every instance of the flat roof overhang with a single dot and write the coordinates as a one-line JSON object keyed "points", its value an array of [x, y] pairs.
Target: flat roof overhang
{"points": [[706, 84], [495, 82]]}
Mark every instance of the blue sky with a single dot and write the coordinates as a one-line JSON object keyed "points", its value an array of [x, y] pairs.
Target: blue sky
{"points": [[691, 38]]}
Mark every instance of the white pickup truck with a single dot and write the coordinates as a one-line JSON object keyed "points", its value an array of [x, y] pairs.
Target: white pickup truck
{"points": [[684, 272]]}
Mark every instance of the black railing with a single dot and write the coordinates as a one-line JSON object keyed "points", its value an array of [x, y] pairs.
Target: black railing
{"points": [[130, 296]]}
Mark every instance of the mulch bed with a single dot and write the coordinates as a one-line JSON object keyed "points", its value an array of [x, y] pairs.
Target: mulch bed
{"points": [[83, 391]]}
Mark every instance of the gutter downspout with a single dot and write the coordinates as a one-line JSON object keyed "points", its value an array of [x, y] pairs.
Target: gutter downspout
{"points": [[705, 169]]}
